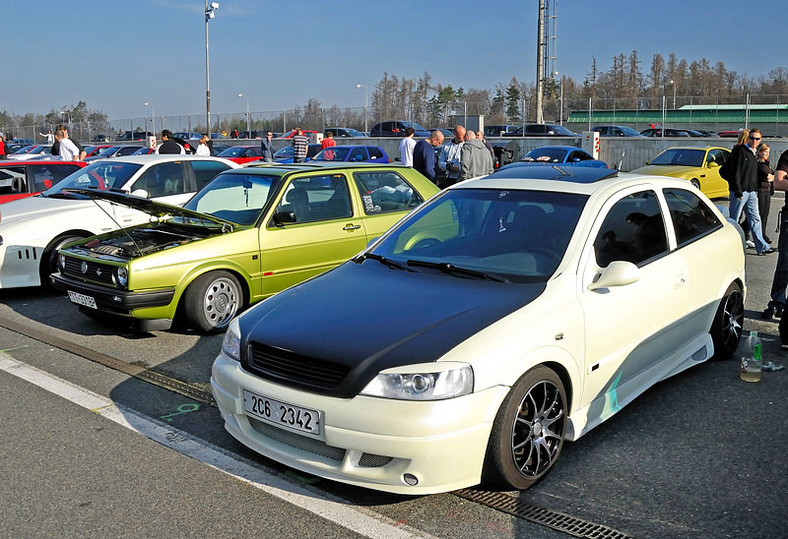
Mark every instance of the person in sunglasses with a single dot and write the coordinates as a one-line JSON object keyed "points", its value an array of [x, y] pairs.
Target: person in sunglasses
{"points": [[744, 189]]}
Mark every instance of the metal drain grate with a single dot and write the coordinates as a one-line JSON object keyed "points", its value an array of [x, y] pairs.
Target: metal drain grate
{"points": [[556, 520]]}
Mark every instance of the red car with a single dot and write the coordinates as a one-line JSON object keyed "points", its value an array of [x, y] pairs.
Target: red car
{"points": [[20, 179], [291, 134], [242, 154]]}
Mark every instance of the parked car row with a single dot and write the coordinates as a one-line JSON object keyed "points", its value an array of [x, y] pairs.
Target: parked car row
{"points": [[360, 302]]}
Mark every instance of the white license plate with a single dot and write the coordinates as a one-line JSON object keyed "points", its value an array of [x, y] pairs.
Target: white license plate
{"points": [[282, 414], [82, 299]]}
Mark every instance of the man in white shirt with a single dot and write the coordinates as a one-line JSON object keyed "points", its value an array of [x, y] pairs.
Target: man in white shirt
{"points": [[68, 150], [406, 146]]}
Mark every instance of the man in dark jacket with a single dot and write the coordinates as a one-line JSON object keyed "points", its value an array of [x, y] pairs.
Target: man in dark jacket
{"points": [[424, 155], [744, 188], [168, 144]]}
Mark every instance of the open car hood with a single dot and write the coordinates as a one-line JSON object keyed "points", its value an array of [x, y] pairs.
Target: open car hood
{"points": [[156, 209]]}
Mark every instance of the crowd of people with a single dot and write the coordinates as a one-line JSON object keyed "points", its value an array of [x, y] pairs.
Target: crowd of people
{"points": [[466, 155]]}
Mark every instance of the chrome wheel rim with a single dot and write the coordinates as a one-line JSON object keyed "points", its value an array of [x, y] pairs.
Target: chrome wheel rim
{"points": [[732, 319], [221, 302], [538, 429]]}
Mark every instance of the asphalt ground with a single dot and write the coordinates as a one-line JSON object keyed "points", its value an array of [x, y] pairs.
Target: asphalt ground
{"points": [[699, 455]]}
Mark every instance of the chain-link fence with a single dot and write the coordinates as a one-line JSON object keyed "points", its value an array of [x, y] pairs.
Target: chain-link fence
{"points": [[769, 112]]}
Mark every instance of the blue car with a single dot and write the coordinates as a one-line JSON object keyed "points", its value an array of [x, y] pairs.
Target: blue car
{"points": [[285, 155], [559, 155], [353, 154]]}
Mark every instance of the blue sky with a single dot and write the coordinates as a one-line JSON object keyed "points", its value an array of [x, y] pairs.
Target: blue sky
{"points": [[116, 55]]}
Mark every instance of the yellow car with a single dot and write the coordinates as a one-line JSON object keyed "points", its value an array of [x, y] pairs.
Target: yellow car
{"points": [[700, 166], [242, 238]]}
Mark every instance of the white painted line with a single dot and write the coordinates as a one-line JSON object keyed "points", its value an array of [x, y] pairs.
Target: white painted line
{"points": [[335, 510]]}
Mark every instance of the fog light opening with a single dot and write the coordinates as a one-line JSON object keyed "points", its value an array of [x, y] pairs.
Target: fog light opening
{"points": [[410, 479]]}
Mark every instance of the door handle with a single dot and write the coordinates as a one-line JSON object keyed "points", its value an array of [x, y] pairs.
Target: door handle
{"points": [[351, 227]]}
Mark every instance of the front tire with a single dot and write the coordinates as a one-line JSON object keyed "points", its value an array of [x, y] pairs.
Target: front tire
{"points": [[528, 432], [212, 300], [48, 264], [695, 183], [728, 324]]}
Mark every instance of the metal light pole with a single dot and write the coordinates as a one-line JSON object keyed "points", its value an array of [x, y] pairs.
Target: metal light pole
{"points": [[674, 93], [248, 123], [210, 13], [153, 118], [366, 102]]}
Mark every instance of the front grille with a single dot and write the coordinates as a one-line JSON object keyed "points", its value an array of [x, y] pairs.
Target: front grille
{"points": [[101, 273], [314, 446], [296, 441], [290, 368]]}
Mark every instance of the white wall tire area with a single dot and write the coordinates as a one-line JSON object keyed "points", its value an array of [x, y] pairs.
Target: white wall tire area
{"points": [[726, 330], [212, 300], [695, 183], [528, 433]]}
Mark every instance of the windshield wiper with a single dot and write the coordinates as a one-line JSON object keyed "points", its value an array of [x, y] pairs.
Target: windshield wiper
{"points": [[382, 259], [447, 267]]}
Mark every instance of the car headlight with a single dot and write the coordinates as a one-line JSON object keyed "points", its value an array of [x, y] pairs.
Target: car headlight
{"points": [[429, 384], [231, 344], [123, 276]]}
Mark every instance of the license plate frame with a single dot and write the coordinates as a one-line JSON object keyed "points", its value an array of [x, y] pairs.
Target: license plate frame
{"points": [[82, 299], [282, 414]]}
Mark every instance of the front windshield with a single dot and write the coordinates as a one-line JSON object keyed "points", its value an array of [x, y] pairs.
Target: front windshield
{"points": [[233, 151], [332, 154], [628, 131], [545, 155], [518, 235], [238, 198], [684, 156], [99, 175], [107, 151], [414, 125], [561, 130], [287, 151]]}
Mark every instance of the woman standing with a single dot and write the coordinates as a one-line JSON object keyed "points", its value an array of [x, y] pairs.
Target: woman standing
{"points": [[765, 186]]}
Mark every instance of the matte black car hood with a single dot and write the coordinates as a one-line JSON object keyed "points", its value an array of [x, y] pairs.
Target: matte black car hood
{"points": [[366, 318]]}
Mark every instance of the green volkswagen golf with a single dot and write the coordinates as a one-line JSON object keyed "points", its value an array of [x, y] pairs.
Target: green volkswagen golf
{"points": [[249, 234]]}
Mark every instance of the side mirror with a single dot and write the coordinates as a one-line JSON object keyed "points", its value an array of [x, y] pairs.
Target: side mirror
{"points": [[618, 273], [282, 217], [142, 193], [713, 164]]}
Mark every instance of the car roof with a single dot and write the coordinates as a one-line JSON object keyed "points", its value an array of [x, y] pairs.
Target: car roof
{"points": [[557, 147], [153, 158], [567, 179], [39, 162], [562, 173], [315, 165]]}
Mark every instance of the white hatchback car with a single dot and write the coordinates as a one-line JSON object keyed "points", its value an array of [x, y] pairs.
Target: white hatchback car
{"points": [[504, 316], [33, 229]]}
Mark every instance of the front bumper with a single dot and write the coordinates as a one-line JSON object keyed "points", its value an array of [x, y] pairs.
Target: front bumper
{"points": [[111, 300], [367, 441]]}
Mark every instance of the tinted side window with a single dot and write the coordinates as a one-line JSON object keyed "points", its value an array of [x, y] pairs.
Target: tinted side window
{"points": [[161, 180], [374, 152], [357, 154], [205, 171], [317, 198], [692, 218], [46, 177], [384, 192], [633, 230]]}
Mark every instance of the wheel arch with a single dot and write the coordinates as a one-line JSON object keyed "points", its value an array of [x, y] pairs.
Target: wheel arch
{"points": [[191, 276]]}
